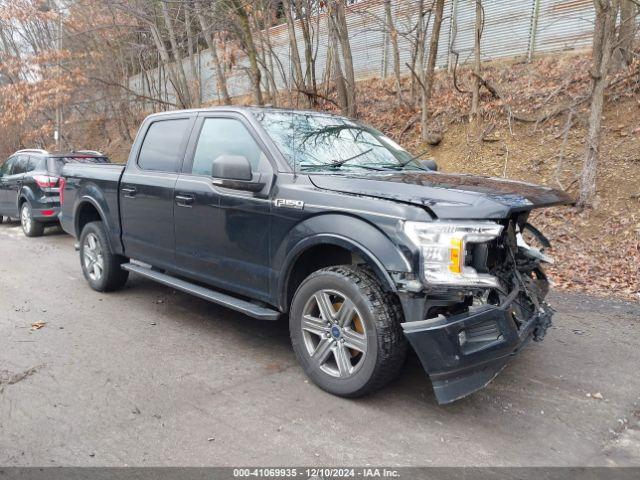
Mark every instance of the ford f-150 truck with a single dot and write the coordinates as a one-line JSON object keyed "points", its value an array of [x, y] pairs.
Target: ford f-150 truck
{"points": [[364, 247]]}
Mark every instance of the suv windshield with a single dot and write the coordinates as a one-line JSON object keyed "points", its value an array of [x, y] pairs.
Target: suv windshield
{"points": [[55, 164], [314, 141]]}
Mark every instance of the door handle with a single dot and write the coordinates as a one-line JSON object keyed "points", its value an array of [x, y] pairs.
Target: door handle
{"points": [[184, 200], [129, 192]]}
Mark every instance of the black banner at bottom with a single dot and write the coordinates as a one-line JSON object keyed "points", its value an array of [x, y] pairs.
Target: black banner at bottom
{"points": [[318, 473]]}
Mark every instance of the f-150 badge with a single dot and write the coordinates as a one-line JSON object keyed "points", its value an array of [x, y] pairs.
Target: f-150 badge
{"points": [[286, 203]]}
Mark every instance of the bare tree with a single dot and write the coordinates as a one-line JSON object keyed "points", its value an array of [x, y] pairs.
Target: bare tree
{"points": [[303, 10], [238, 10], [429, 74], [209, 31], [334, 68], [338, 26], [177, 65], [298, 76], [191, 50], [417, 57], [477, 65], [603, 45], [623, 53], [393, 35]]}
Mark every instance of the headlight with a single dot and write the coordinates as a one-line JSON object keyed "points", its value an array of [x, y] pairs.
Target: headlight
{"points": [[442, 251]]}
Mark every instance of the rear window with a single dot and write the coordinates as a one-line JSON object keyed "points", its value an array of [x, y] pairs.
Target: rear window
{"points": [[55, 164], [163, 145]]}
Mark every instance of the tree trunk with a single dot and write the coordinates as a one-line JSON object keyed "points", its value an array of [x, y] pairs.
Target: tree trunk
{"points": [[475, 98], [430, 73], [179, 67], [183, 101], [603, 43], [342, 33], [192, 63], [417, 59], [309, 57], [255, 75], [298, 76], [623, 54], [336, 68], [271, 71], [393, 35], [221, 79]]}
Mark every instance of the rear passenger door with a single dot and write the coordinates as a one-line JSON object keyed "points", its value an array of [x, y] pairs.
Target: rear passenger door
{"points": [[147, 190], [12, 183], [5, 172]]}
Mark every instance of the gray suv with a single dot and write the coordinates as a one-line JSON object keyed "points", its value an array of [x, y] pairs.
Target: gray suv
{"points": [[29, 186]]}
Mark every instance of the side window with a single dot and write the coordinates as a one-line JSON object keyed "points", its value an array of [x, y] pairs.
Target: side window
{"points": [[5, 169], [20, 165], [162, 146], [226, 136], [32, 164]]}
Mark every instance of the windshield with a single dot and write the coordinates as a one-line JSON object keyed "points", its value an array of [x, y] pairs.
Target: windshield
{"points": [[311, 141], [55, 164]]}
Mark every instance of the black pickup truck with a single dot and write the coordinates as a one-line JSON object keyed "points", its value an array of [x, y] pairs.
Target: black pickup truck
{"points": [[366, 248]]}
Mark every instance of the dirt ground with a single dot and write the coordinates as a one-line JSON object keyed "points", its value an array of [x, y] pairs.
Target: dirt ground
{"points": [[147, 376]]}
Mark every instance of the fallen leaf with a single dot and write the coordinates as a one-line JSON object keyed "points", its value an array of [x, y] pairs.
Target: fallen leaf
{"points": [[38, 325]]}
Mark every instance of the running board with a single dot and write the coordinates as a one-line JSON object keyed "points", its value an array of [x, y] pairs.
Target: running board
{"points": [[243, 306]]}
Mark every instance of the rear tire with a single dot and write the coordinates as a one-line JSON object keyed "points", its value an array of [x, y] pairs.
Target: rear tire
{"points": [[30, 227], [100, 266], [350, 352]]}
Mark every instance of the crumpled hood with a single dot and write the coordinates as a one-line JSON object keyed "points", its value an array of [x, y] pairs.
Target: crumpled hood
{"points": [[450, 196]]}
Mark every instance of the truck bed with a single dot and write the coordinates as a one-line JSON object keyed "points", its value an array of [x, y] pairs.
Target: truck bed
{"points": [[100, 182]]}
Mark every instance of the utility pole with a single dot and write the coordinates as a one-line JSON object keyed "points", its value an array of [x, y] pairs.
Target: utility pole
{"points": [[57, 132]]}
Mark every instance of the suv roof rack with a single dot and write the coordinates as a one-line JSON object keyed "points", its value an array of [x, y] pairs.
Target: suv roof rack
{"points": [[33, 150]]}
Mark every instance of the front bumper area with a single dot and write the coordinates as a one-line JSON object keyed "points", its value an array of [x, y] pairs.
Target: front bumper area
{"points": [[463, 353]]}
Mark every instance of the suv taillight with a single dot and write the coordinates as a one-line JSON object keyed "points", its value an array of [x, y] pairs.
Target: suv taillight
{"points": [[62, 184], [45, 181]]}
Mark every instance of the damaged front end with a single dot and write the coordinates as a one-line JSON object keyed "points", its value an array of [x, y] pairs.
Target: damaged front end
{"points": [[465, 333]]}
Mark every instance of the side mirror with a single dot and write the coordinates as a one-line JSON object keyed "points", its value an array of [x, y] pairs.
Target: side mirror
{"points": [[234, 171], [430, 164], [231, 167]]}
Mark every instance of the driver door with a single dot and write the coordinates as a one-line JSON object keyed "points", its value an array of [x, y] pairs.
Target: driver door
{"points": [[222, 234]]}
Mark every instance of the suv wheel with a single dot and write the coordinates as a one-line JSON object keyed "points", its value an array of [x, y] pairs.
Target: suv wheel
{"points": [[30, 227], [100, 266], [345, 330]]}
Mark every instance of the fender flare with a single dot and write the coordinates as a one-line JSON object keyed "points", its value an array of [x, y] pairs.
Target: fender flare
{"points": [[87, 199], [382, 258], [25, 194]]}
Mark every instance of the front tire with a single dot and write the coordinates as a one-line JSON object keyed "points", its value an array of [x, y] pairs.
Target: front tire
{"points": [[30, 227], [345, 330], [100, 266]]}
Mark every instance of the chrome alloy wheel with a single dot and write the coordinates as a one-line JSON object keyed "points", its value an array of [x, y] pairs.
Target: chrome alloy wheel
{"points": [[334, 333], [25, 218], [92, 257]]}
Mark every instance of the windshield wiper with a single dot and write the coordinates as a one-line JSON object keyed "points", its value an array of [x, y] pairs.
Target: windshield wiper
{"points": [[320, 166], [415, 157], [339, 163]]}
